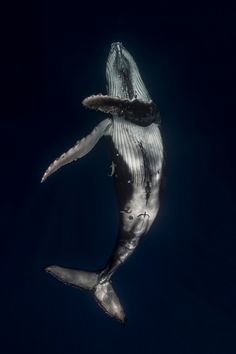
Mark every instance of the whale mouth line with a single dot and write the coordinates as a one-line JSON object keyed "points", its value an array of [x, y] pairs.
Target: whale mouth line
{"points": [[134, 110]]}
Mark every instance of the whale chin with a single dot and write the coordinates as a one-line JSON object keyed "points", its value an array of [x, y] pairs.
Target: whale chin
{"points": [[123, 77]]}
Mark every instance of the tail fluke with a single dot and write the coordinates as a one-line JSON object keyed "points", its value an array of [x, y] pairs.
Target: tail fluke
{"points": [[106, 297], [78, 278], [102, 291]]}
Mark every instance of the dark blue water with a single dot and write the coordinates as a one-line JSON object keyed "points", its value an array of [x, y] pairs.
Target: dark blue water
{"points": [[179, 288]]}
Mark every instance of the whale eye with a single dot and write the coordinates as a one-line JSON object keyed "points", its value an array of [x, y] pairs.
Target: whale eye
{"points": [[131, 217]]}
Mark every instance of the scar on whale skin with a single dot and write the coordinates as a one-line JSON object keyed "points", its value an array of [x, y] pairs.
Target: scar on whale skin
{"points": [[137, 165]]}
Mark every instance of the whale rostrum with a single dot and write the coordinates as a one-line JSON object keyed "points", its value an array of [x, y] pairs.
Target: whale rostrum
{"points": [[137, 165]]}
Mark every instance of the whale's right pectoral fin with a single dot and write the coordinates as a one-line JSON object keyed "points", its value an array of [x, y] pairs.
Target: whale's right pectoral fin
{"points": [[80, 149]]}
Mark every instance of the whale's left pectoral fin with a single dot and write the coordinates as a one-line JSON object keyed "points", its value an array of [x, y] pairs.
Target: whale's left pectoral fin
{"points": [[80, 149]]}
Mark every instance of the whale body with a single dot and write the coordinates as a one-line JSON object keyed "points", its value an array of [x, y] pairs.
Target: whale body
{"points": [[137, 169]]}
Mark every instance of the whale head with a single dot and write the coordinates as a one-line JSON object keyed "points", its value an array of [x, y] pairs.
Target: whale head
{"points": [[127, 96], [123, 77]]}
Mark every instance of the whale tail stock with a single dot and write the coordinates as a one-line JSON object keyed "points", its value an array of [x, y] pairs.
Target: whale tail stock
{"points": [[102, 289]]}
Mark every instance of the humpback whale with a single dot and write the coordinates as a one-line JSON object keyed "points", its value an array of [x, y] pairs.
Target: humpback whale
{"points": [[132, 126]]}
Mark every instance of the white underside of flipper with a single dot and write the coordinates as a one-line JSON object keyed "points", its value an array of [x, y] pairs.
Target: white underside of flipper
{"points": [[80, 149]]}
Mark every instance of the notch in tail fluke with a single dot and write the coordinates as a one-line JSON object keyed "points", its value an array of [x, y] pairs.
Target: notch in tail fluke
{"points": [[103, 291]]}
